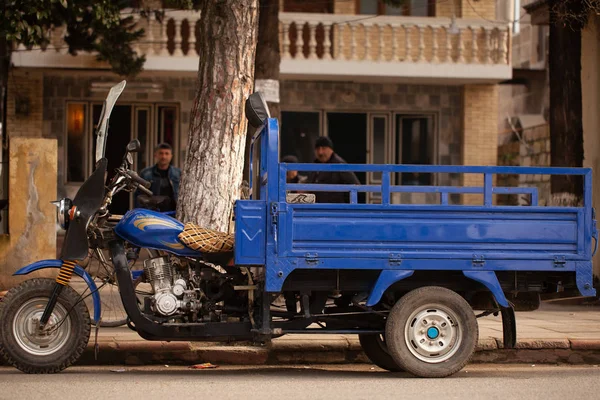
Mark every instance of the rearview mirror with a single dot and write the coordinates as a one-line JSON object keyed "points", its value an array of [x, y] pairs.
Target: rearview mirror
{"points": [[134, 146]]}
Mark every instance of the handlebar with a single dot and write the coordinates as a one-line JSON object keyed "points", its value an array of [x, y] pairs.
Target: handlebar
{"points": [[145, 190], [138, 179], [142, 184]]}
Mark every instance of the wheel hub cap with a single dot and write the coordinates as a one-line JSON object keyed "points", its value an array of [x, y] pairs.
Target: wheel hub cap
{"points": [[432, 333], [38, 341]]}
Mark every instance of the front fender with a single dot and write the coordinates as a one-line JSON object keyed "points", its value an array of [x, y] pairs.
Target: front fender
{"points": [[36, 266]]}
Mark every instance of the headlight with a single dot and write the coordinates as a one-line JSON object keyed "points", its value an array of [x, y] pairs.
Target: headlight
{"points": [[62, 212]]}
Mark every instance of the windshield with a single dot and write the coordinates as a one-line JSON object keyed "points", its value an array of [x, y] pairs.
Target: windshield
{"points": [[107, 108]]}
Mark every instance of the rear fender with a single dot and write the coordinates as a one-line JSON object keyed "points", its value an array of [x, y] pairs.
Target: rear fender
{"points": [[490, 281], [56, 264], [388, 277]]}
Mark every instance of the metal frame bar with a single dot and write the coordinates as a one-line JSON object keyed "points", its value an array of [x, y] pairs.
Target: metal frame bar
{"points": [[386, 188]]}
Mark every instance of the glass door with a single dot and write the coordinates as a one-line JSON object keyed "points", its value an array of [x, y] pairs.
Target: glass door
{"points": [[413, 144]]}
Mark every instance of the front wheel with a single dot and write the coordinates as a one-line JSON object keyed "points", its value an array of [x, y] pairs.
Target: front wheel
{"points": [[431, 332], [62, 341]]}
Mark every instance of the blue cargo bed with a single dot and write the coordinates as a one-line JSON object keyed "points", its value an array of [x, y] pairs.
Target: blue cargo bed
{"points": [[399, 239]]}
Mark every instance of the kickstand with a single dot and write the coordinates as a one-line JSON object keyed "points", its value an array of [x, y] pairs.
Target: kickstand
{"points": [[96, 347]]}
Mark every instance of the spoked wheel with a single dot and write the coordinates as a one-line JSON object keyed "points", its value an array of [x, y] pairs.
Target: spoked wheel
{"points": [[103, 273], [113, 312], [51, 349], [376, 350], [431, 332]]}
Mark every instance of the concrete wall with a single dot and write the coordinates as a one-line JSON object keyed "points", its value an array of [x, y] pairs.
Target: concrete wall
{"points": [[32, 218], [24, 89], [448, 8], [344, 7], [534, 151], [479, 9], [590, 85]]}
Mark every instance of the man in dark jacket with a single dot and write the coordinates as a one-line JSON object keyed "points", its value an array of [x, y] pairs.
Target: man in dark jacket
{"points": [[164, 179], [325, 155]]}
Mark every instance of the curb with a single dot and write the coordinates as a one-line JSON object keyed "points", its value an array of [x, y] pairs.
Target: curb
{"points": [[560, 351]]}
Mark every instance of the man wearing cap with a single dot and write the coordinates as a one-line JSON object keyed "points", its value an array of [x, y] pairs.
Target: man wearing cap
{"points": [[325, 155]]}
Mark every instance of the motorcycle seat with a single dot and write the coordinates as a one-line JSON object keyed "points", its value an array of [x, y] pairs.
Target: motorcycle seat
{"points": [[206, 240]]}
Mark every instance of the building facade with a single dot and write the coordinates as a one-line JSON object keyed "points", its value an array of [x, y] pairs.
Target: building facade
{"points": [[412, 85]]}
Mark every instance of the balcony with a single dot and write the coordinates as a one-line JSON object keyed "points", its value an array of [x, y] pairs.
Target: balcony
{"points": [[329, 47]]}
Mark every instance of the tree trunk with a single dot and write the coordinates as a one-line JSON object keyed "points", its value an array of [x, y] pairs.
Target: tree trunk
{"points": [[268, 57], [215, 151], [566, 125]]}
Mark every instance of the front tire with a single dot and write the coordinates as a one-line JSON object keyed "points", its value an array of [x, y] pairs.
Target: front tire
{"points": [[431, 332], [24, 346]]}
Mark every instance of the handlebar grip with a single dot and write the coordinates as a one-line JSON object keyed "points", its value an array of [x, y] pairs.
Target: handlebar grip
{"points": [[145, 190], [138, 179]]}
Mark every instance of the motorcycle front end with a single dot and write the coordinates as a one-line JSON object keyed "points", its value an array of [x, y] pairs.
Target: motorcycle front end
{"points": [[44, 323]]}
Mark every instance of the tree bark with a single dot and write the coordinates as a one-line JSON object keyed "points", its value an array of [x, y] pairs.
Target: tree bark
{"points": [[215, 151], [566, 124], [268, 58]]}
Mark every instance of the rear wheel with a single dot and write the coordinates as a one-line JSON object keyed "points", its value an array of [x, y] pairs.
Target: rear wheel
{"points": [[41, 351], [376, 350], [431, 332]]}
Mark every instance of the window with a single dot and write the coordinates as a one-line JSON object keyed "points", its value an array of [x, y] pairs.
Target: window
{"points": [[541, 43], [76, 142], [320, 6], [369, 7], [517, 17], [417, 8]]}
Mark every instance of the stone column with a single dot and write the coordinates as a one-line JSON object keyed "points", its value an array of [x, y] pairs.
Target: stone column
{"points": [[31, 216], [480, 136]]}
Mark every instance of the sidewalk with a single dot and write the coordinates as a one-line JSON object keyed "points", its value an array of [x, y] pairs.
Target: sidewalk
{"points": [[552, 334]]}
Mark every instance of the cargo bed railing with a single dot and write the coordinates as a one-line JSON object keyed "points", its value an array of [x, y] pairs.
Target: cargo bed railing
{"points": [[386, 188]]}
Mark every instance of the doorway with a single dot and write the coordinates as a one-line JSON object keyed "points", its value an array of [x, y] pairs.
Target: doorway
{"points": [[119, 134], [299, 131], [348, 132]]}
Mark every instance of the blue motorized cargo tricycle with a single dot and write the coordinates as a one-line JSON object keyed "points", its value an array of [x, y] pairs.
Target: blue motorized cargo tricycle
{"points": [[405, 278]]}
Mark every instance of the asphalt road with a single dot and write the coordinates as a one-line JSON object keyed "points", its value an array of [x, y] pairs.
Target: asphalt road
{"points": [[302, 382]]}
